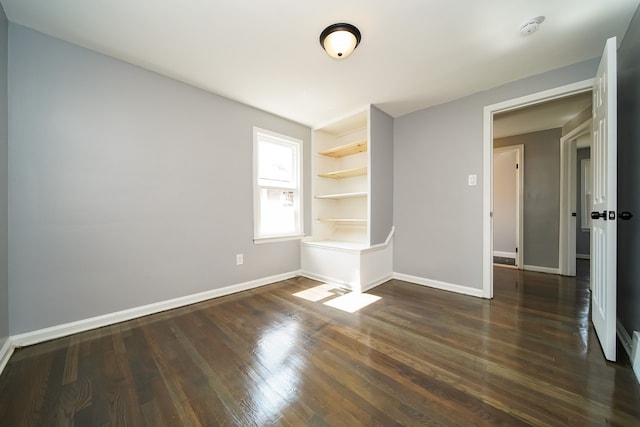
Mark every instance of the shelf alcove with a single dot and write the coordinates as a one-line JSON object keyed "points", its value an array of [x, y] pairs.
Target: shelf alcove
{"points": [[351, 240]]}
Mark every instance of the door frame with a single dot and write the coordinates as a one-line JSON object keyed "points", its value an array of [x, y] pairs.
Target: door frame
{"points": [[487, 165], [569, 197], [519, 149]]}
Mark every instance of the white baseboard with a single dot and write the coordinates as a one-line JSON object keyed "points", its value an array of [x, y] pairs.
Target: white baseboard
{"points": [[504, 254], [539, 269], [328, 280], [377, 282], [5, 353], [342, 284], [635, 354], [631, 347], [583, 256], [513, 267], [65, 329], [439, 285], [624, 337]]}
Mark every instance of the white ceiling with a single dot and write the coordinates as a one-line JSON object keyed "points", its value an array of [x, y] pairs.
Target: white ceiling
{"points": [[413, 54], [547, 115]]}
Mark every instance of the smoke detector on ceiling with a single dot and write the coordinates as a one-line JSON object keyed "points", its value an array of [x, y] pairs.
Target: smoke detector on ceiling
{"points": [[531, 26]]}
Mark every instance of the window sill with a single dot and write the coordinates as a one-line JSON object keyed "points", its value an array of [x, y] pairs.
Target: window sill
{"points": [[274, 239]]}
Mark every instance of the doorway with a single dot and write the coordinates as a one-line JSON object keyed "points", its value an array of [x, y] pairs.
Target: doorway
{"points": [[508, 165], [489, 112], [575, 197]]}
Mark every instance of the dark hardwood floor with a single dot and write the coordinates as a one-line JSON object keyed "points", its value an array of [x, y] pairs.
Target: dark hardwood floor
{"points": [[417, 356]]}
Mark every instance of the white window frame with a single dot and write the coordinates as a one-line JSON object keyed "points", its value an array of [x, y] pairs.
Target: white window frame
{"points": [[273, 137]]}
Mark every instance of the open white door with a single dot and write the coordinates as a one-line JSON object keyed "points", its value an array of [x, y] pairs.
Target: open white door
{"points": [[603, 230]]}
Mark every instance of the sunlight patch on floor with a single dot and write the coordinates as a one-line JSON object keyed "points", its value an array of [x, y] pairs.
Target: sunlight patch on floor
{"points": [[352, 302], [316, 293], [349, 302]]}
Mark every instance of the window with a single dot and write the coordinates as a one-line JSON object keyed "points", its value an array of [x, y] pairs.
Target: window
{"points": [[277, 186], [585, 194]]}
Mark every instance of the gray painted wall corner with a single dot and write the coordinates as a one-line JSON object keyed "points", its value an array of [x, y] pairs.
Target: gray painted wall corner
{"points": [[541, 195], [628, 242], [4, 191], [381, 193], [438, 216], [132, 189]]}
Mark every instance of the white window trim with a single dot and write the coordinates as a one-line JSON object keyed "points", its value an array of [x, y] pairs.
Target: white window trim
{"points": [[260, 239]]}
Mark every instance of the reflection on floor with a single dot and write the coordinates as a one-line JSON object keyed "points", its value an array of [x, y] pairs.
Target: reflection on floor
{"points": [[417, 356]]}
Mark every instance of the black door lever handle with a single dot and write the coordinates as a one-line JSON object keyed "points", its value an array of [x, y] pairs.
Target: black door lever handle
{"points": [[625, 216], [596, 215]]}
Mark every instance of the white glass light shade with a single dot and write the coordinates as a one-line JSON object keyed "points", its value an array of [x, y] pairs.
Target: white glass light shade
{"points": [[340, 44], [340, 40]]}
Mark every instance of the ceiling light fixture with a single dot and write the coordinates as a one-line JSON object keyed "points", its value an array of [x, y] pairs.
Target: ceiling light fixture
{"points": [[531, 26], [340, 40]]}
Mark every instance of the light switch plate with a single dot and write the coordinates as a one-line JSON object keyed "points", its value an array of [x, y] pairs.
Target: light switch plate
{"points": [[473, 180]]}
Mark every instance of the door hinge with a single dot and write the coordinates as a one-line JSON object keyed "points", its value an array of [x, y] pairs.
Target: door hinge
{"points": [[517, 166], [516, 250]]}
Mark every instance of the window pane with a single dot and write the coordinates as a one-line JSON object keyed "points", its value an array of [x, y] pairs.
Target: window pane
{"points": [[276, 164], [277, 185], [279, 211]]}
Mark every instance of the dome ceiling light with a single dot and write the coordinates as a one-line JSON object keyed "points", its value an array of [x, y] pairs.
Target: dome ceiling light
{"points": [[340, 40]]}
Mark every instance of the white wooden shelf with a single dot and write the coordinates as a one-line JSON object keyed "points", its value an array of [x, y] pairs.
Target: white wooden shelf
{"points": [[347, 173], [343, 196], [346, 150]]}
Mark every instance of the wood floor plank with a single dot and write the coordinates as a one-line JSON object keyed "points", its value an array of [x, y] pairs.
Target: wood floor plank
{"points": [[417, 356], [30, 408], [70, 374]]}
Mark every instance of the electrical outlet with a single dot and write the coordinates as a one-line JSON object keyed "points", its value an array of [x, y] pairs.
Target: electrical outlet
{"points": [[239, 259]]}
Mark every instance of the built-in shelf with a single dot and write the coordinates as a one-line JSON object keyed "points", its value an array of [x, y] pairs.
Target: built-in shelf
{"points": [[346, 150], [343, 196], [345, 220], [337, 244], [340, 249], [347, 173]]}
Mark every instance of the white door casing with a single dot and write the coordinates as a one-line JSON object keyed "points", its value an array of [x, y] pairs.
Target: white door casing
{"points": [[487, 165], [603, 229]]}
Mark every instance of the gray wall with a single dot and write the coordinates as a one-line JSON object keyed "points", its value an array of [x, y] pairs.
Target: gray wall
{"points": [[577, 120], [583, 237], [438, 216], [629, 177], [127, 188], [381, 194], [4, 145], [541, 194]]}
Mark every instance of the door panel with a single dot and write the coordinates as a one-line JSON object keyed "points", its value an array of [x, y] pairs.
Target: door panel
{"points": [[603, 232], [505, 202]]}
